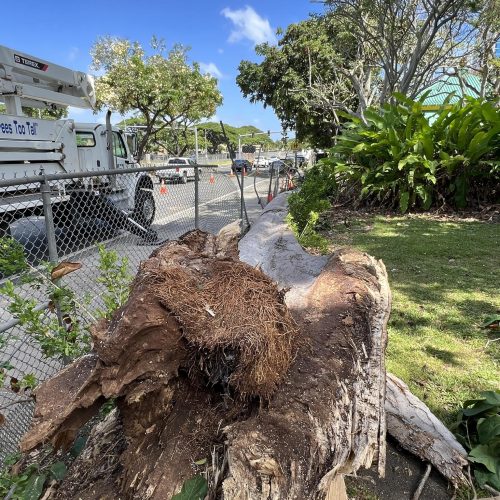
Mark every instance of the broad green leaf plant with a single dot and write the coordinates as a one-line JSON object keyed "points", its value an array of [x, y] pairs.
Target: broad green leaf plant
{"points": [[478, 430], [399, 158]]}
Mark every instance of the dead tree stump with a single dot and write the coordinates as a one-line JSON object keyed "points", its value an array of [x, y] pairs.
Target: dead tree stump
{"points": [[270, 391]]}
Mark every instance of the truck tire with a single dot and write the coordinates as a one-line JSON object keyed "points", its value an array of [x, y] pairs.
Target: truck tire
{"points": [[64, 214], [145, 208], [4, 228]]}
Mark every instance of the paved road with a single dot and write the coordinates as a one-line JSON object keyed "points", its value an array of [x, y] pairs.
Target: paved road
{"points": [[218, 204]]}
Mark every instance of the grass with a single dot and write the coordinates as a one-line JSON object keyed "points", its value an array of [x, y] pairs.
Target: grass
{"points": [[445, 277]]}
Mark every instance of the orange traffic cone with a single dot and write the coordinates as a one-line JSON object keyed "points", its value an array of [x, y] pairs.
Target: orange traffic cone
{"points": [[163, 187], [212, 179]]}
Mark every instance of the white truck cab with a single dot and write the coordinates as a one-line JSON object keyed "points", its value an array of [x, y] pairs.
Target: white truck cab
{"points": [[31, 146]]}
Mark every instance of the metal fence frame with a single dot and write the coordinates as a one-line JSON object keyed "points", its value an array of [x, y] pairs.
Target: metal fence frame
{"points": [[269, 186], [20, 416]]}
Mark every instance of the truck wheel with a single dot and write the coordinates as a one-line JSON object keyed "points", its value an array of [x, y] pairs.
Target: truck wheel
{"points": [[4, 228], [145, 208], [64, 214]]}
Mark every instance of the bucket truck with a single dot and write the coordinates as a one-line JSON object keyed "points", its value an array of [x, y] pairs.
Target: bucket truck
{"points": [[31, 146]]}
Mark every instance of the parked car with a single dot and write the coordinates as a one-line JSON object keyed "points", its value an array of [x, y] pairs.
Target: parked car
{"points": [[184, 170], [301, 160], [261, 162], [239, 164]]}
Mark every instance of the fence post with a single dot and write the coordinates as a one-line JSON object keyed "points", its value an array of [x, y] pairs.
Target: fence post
{"points": [[242, 204], [50, 231], [49, 221], [196, 197]]}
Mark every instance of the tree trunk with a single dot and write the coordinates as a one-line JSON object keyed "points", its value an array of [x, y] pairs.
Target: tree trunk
{"points": [[216, 370]]}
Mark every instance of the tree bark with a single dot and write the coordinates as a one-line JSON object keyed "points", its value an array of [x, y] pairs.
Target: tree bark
{"points": [[180, 404], [414, 426]]}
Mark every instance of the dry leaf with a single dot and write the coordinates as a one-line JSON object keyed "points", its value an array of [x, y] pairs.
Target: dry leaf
{"points": [[64, 268], [2, 419]]}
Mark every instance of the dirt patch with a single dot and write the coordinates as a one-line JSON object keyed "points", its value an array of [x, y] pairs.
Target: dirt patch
{"points": [[403, 475], [358, 219]]}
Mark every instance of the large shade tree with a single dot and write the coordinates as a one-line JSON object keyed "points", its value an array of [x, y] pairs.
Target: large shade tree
{"points": [[163, 88], [409, 43], [362, 51], [291, 75]]}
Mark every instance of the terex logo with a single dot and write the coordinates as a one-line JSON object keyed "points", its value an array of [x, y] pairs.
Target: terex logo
{"points": [[30, 62]]}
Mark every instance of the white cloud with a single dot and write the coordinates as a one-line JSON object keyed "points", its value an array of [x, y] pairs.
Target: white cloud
{"points": [[220, 51], [248, 24], [211, 69]]}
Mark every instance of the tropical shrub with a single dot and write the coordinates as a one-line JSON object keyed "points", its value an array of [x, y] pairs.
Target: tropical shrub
{"points": [[12, 259], [399, 158], [313, 197], [478, 430]]}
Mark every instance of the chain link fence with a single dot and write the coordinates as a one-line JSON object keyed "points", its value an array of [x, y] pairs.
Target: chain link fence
{"points": [[46, 220], [67, 217]]}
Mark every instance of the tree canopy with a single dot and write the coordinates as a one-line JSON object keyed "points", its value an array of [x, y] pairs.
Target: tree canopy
{"points": [[163, 88], [306, 55], [216, 142], [56, 113], [210, 138], [402, 44], [360, 52]]}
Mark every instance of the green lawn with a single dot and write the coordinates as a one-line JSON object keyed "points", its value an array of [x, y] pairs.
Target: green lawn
{"points": [[445, 279]]}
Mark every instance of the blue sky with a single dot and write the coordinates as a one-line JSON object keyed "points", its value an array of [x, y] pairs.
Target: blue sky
{"points": [[220, 34]]}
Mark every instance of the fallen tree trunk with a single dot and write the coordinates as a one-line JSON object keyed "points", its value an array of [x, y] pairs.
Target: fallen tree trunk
{"points": [[216, 371], [416, 428], [330, 410]]}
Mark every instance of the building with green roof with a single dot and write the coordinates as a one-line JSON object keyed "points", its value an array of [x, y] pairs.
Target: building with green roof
{"points": [[446, 85]]}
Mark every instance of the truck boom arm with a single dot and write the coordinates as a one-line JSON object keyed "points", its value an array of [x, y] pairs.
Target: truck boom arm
{"points": [[30, 81]]}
